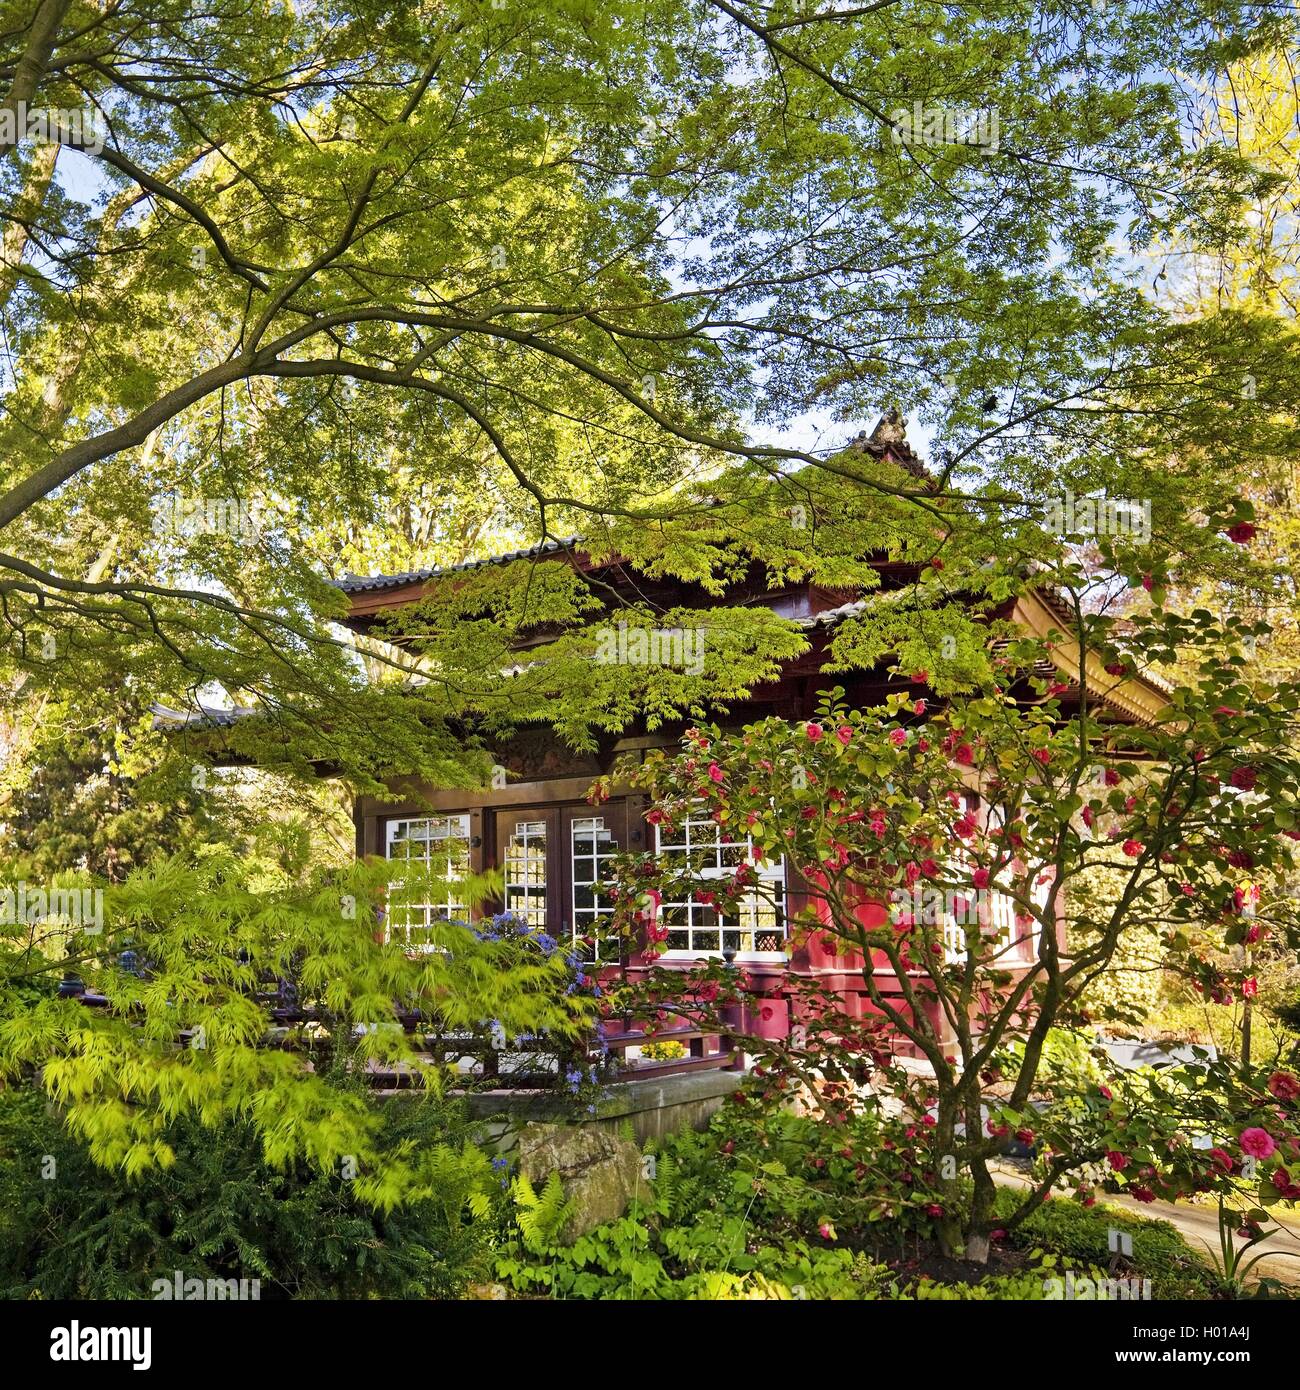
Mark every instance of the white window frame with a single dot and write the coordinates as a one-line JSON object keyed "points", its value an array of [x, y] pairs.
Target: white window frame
{"points": [[452, 909], [595, 915], [770, 875], [524, 819]]}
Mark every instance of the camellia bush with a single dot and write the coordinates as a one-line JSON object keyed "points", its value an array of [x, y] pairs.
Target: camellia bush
{"points": [[918, 882]]}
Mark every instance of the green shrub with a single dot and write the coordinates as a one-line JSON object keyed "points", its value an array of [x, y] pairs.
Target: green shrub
{"points": [[748, 1222], [1159, 1252], [72, 1229]]}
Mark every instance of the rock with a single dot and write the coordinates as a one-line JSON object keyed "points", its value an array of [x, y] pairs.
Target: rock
{"points": [[601, 1173]]}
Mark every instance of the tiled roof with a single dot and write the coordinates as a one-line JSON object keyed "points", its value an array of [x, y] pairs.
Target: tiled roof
{"points": [[205, 717], [888, 439], [357, 584]]}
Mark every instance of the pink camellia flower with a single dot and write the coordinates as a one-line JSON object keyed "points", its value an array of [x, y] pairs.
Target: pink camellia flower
{"points": [[1244, 778], [1283, 1086], [1258, 1143], [1242, 533], [1222, 1160], [1111, 777], [844, 733], [898, 737], [965, 827], [1026, 1136], [911, 873], [1148, 583], [929, 1121], [980, 878], [1042, 755], [1117, 1160], [919, 707], [923, 746], [814, 732], [826, 1231], [1188, 890], [1132, 848], [1249, 988], [1088, 816], [716, 774], [1058, 688]]}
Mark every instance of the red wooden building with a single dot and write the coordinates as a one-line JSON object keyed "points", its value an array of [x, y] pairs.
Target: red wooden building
{"points": [[553, 847]]}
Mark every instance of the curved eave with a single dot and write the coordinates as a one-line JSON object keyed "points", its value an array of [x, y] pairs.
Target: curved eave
{"points": [[1141, 699]]}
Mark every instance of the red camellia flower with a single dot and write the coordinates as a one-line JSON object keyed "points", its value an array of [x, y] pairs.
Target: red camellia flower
{"points": [[1242, 533], [1111, 777], [1058, 688], [1258, 1143], [980, 878], [1244, 778], [1142, 1194], [814, 732], [1042, 755], [1283, 1086], [1026, 1136], [1116, 668], [729, 1146], [1132, 848], [935, 1210], [1088, 816], [963, 754], [929, 868], [1148, 583], [965, 827], [1222, 1160], [844, 733], [1117, 1160]]}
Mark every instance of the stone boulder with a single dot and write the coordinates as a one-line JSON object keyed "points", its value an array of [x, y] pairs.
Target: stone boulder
{"points": [[601, 1173]]}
